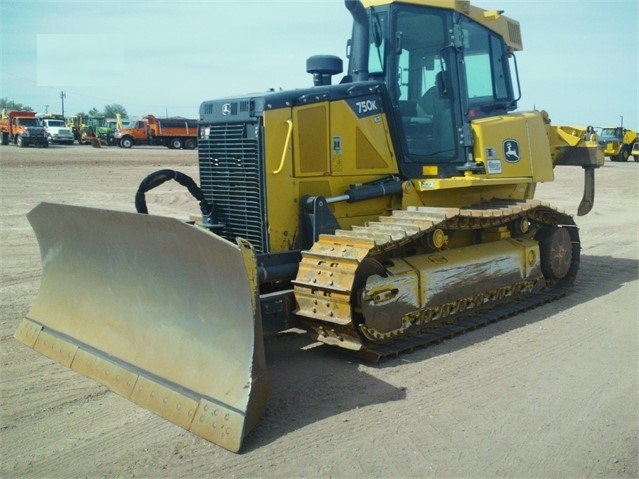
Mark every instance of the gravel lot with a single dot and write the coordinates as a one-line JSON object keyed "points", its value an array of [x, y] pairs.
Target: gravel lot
{"points": [[552, 392]]}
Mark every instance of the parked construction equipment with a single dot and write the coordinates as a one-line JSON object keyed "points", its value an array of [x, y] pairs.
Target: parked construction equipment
{"points": [[56, 129], [617, 142], [78, 128], [379, 214], [23, 129], [174, 133]]}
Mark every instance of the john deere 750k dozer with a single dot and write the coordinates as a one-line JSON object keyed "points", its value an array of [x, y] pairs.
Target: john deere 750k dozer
{"points": [[372, 213]]}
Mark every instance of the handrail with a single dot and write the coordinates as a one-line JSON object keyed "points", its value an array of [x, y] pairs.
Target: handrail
{"points": [[288, 140]]}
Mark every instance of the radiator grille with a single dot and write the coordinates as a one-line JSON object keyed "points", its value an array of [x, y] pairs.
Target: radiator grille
{"points": [[231, 178]]}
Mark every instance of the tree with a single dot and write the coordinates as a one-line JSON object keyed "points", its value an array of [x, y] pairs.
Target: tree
{"points": [[6, 104], [110, 111]]}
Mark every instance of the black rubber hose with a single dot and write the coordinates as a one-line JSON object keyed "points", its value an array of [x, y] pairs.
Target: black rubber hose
{"points": [[159, 177]]}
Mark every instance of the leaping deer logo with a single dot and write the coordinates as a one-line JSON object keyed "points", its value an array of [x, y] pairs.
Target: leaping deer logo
{"points": [[511, 150]]}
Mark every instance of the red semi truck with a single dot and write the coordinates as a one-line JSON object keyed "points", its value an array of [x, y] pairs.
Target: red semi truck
{"points": [[174, 133], [22, 128]]}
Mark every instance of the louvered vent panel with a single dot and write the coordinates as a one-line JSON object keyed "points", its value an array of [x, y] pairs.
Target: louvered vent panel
{"points": [[230, 177]]}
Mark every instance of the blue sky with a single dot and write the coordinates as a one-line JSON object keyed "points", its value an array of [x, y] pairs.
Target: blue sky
{"points": [[165, 57]]}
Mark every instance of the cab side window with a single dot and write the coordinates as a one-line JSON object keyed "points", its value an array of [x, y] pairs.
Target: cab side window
{"points": [[486, 67]]}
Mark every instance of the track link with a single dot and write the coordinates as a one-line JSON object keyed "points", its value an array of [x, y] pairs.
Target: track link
{"points": [[333, 269]]}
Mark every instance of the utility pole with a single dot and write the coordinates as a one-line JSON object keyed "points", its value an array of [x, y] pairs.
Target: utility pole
{"points": [[46, 109], [62, 97]]}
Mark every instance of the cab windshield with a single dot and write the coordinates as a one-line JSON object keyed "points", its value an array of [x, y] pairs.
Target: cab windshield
{"points": [[95, 122], [55, 123], [27, 122], [610, 132]]}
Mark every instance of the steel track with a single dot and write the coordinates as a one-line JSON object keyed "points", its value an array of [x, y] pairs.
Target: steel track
{"points": [[326, 292]]}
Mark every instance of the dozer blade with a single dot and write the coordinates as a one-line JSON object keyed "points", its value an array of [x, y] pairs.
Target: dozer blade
{"points": [[163, 313]]}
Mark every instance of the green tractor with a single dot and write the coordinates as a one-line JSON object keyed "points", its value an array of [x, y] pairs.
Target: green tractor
{"points": [[97, 130], [100, 129]]}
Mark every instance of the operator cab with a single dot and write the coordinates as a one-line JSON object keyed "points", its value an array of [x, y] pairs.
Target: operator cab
{"points": [[441, 70]]}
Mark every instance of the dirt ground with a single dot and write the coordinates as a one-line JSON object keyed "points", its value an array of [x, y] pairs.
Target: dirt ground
{"points": [[552, 392]]}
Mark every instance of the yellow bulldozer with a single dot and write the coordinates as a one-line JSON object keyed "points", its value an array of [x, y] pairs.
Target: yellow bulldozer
{"points": [[378, 213]]}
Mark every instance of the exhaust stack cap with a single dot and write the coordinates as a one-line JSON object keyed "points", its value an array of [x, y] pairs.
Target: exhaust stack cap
{"points": [[323, 67]]}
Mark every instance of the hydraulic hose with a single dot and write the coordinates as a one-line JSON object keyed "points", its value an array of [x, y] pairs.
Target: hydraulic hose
{"points": [[159, 177]]}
